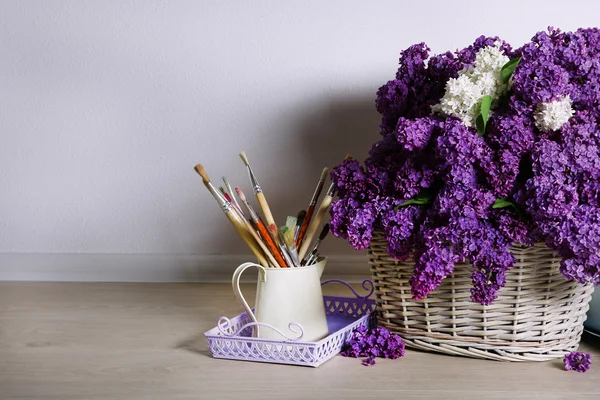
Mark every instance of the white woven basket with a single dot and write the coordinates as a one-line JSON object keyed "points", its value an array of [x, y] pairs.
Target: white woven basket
{"points": [[538, 315]]}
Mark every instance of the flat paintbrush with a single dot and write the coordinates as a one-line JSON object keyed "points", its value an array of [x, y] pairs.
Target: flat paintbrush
{"points": [[311, 207], [237, 222], [283, 249], [286, 236], [260, 196], [263, 231], [299, 221]]}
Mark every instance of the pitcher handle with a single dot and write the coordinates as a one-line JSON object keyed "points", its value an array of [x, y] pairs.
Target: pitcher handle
{"points": [[235, 283]]}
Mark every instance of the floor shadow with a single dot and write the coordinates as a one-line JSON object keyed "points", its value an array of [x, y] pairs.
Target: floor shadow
{"points": [[195, 344]]}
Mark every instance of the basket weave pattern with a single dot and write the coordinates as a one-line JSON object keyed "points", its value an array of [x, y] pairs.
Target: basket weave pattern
{"points": [[537, 316]]}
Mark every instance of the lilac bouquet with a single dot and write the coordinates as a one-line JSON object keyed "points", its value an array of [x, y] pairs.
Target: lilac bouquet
{"points": [[481, 149]]}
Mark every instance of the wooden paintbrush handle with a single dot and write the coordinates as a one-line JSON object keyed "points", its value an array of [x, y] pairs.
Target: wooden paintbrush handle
{"points": [[314, 226], [262, 229], [262, 244], [240, 227], [264, 206], [304, 226]]}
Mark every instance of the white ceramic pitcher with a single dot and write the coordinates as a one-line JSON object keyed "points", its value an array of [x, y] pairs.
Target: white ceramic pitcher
{"points": [[286, 295]]}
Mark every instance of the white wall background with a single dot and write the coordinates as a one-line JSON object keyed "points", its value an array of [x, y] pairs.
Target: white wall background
{"points": [[105, 107]]}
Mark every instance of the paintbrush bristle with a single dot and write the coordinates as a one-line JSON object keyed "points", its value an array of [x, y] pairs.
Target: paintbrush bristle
{"points": [[289, 239], [222, 189], [324, 174], [200, 170], [272, 228], [348, 157], [244, 158], [291, 222], [324, 232], [240, 194], [300, 218], [288, 235]]}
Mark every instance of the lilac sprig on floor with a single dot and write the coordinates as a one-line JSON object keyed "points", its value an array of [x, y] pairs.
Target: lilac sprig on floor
{"points": [[578, 361], [371, 343]]}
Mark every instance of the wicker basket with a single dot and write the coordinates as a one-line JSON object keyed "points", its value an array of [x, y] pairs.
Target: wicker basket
{"points": [[538, 315]]}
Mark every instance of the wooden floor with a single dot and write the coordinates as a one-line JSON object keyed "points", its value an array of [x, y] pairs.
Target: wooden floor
{"points": [[144, 341]]}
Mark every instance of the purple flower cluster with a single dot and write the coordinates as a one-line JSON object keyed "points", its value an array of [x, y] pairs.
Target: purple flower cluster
{"points": [[376, 342], [549, 180], [577, 361]]}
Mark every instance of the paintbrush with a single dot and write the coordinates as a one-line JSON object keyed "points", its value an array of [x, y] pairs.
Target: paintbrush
{"points": [[290, 222], [287, 236], [314, 225], [231, 201], [260, 196], [299, 221], [262, 230], [323, 208], [231, 193], [237, 222], [311, 207], [314, 251], [284, 251]]}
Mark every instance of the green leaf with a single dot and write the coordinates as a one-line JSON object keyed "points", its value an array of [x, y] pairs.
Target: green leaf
{"points": [[424, 197], [503, 203], [508, 69], [484, 113]]}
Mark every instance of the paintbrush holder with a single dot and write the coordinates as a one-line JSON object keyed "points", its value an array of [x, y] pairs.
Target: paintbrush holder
{"points": [[288, 299]]}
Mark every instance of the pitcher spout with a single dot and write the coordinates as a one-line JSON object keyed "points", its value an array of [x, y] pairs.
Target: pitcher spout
{"points": [[321, 261]]}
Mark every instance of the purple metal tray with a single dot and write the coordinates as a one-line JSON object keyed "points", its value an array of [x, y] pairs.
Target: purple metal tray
{"points": [[232, 339]]}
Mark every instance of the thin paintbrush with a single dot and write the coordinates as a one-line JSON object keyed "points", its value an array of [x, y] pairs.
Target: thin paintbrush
{"points": [[314, 251], [299, 221], [231, 193], [230, 200], [262, 230], [237, 222], [260, 196], [311, 207]]}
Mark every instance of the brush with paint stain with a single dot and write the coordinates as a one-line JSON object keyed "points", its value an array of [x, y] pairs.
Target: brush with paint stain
{"points": [[266, 236]]}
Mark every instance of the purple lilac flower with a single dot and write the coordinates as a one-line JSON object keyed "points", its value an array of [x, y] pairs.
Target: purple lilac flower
{"points": [[577, 361], [415, 134], [552, 178], [371, 343]]}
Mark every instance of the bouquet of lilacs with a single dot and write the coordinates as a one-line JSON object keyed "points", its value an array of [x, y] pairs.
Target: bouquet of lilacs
{"points": [[481, 149]]}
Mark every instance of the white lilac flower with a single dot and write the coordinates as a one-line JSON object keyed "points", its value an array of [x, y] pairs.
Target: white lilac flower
{"points": [[553, 115], [463, 94]]}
